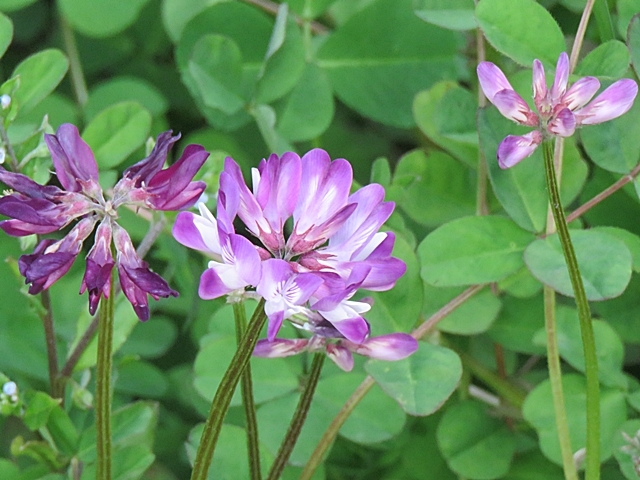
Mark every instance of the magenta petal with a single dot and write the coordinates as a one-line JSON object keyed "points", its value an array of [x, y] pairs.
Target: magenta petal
{"points": [[564, 123], [280, 347], [247, 259], [275, 322], [492, 80], [353, 329], [613, 102], [394, 346], [186, 233], [513, 148], [44, 270], [304, 285], [580, 93], [72, 158], [23, 184], [561, 78], [340, 356], [211, 285], [512, 106], [145, 169]]}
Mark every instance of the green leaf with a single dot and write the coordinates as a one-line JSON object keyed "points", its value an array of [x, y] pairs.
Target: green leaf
{"points": [[103, 18], [120, 89], [604, 262], [177, 13], [474, 444], [125, 320], [6, 33], [11, 5], [450, 14], [376, 418], [614, 145], [151, 339], [284, 61], [141, 379], [521, 189], [308, 109], [623, 312], [132, 425], [128, 463], [625, 458], [633, 42], [40, 74], [436, 107], [310, 8], [230, 461], [398, 309], [472, 317], [538, 411], [422, 382], [265, 117], [517, 323], [383, 55], [216, 67], [532, 465], [63, 431], [451, 188], [39, 407], [608, 345], [472, 250], [522, 30], [272, 377], [610, 59], [115, 133], [631, 240]]}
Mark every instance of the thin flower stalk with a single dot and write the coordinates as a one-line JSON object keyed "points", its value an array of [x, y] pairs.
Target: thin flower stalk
{"points": [[584, 315], [246, 389], [224, 393], [103, 388], [299, 416]]}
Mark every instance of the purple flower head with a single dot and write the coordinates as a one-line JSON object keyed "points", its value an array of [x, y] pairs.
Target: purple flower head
{"points": [[318, 244], [559, 110], [38, 209]]}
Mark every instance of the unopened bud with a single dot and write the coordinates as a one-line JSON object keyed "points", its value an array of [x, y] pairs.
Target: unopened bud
{"points": [[5, 101]]}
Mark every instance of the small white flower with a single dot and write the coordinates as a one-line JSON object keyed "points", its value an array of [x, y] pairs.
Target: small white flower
{"points": [[10, 388]]}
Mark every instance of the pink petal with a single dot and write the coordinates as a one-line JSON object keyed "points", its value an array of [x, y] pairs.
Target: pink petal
{"points": [[514, 148], [280, 347], [562, 77], [563, 124], [539, 84], [492, 80], [394, 346], [340, 356], [512, 106], [580, 93], [613, 102]]}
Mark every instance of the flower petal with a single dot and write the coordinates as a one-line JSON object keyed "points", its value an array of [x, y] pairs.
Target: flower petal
{"points": [[492, 80], [512, 106], [580, 93], [514, 148], [72, 157], [340, 356], [563, 124], [394, 346], [561, 78], [613, 102], [539, 85], [280, 347]]}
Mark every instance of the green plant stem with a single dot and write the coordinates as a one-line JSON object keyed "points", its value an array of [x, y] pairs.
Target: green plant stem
{"points": [[50, 340], [584, 314], [359, 393], [246, 387], [299, 416], [103, 386], [13, 160], [555, 378], [222, 398], [75, 66]]}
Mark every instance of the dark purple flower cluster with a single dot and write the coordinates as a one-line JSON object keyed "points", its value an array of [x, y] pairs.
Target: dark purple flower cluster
{"points": [[42, 209]]}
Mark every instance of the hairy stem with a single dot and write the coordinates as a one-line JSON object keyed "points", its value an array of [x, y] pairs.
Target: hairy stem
{"points": [[584, 314], [332, 430], [298, 419], [222, 398], [246, 386], [103, 387], [50, 340], [555, 378]]}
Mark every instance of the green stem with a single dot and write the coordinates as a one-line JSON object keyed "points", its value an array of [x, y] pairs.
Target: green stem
{"points": [[584, 314], [555, 378], [359, 393], [222, 398], [75, 66], [298, 419], [50, 339], [246, 386], [103, 386]]}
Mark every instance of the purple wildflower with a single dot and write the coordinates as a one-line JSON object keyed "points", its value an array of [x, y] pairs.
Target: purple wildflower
{"points": [[38, 209], [559, 110], [307, 276]]}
